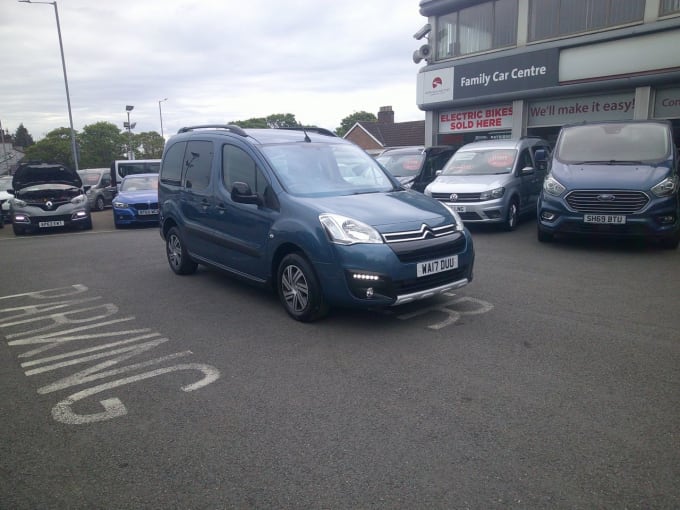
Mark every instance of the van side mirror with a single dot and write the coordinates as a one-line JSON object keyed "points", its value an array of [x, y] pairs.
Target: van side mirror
{"points": [[541, 156], [241, 193], [87, 188]]}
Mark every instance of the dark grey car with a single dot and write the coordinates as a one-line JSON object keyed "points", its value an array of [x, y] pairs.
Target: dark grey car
{"points": [[97, 186], [48, 196]]}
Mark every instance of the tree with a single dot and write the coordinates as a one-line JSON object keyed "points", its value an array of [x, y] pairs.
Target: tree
{"points": [[276, 120], [22, 138], [148, 145], [347, 123], [100, 144], [54, 148]]}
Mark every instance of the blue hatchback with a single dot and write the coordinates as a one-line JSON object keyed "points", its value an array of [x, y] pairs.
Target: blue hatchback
{"points": [[309, 214], [137, 201]]}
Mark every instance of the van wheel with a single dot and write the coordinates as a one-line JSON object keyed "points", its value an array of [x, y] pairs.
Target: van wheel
{"points": [[178, 257], [544, 237], [670, 243], [99, 203], [511, 217], [299, 289]]}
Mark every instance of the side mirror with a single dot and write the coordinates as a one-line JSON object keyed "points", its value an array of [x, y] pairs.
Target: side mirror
{"points": [[527, 170], [541, 156], [241, 193], [87, 188]]}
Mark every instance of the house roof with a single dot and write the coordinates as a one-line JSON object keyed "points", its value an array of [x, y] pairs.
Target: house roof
{"points": [[397, 134]]}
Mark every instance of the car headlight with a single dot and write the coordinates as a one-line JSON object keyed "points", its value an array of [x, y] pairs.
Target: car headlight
{"points": [[666, 187], [17, 203], [119, 205], [344, 230], [552, 186], [79, 199], [456, 217], [492, 194]]}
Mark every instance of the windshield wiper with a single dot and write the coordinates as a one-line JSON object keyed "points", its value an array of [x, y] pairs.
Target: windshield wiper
{"points": [[609, 162]]}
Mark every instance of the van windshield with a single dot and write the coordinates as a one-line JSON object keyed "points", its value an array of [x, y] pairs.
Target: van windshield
{"points": [[613, 143], [326, 169], [481, 162]]}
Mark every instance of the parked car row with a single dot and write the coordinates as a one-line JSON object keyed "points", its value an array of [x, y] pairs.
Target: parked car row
{"points": [[615, 179], [43, 197]]}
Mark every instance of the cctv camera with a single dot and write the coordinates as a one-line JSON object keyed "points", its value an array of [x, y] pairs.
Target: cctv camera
{"points": [[423, 31]]}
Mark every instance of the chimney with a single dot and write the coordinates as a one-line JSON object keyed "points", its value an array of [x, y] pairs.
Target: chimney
{"points": [[386, 115]]}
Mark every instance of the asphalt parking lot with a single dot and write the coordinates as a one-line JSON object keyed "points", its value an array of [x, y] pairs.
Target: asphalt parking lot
{"points": [[549, 382]]}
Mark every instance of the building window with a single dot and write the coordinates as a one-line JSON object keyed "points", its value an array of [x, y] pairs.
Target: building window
{"points": [[481, 27], [555, 18], [669, 7]]}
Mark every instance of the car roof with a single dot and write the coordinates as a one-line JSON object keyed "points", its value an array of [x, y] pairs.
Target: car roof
{"points": [[508, 143], [262, 136]]}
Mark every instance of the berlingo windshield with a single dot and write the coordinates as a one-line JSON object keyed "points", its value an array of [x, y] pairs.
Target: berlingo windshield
{"points": [[481, 162], [309, 169], [613, 143]]}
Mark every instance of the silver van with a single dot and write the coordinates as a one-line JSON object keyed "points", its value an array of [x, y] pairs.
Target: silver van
{"points": [[493, 181]]}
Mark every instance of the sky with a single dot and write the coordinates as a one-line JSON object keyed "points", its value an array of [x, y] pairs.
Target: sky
{"points": [[215, 61]]}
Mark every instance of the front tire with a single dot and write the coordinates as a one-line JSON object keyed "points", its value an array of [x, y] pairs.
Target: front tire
{"points": [[99, 203], [299, 289], [178, 257], [544, 237], [511, 216]]}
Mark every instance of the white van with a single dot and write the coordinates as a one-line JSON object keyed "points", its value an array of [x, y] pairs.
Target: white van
{"points": [[123, 167]]}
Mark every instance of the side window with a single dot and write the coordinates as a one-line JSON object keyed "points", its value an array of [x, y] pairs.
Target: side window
{"points": [[238, 166], [171, 169], [106, 181], [198, 162], [524, 160]]}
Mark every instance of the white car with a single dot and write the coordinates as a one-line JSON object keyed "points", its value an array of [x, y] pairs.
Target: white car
{"points": [[5, 184]]}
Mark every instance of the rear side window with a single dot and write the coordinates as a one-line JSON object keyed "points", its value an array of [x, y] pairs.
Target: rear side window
{"points": [[198, 161], [171, 170]]}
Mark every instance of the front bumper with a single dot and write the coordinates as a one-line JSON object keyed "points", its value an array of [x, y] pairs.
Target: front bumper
{"points": [[659, 219], [131, 216], [374, 276], [490, 211], [33, 219]]}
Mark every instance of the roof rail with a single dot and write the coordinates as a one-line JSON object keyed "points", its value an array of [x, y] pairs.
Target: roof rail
{"points": [[229, 127], [313, 129]]}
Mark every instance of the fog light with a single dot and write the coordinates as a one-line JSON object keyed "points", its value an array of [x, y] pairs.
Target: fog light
{"points": [[21, 218], [548, 216], [371, 277], [666, 220], [79, 214], [369, 292]]}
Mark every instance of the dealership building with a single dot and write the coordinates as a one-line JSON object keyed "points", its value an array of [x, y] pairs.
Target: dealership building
{"points": [[510, 68]]}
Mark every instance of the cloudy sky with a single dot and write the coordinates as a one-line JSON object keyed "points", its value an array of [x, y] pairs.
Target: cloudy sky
{"points": [[215, 60]]}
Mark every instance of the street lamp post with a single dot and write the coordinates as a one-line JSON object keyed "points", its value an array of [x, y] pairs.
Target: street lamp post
{"points": [[128, 109], [63, 65], [160, 114]]}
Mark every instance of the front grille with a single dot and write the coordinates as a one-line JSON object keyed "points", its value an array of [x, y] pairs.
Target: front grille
{"points": [[460, 197], [469, 216], [42, 204], [425, 243], [607, 201], [424, 232], [144, 206]]}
